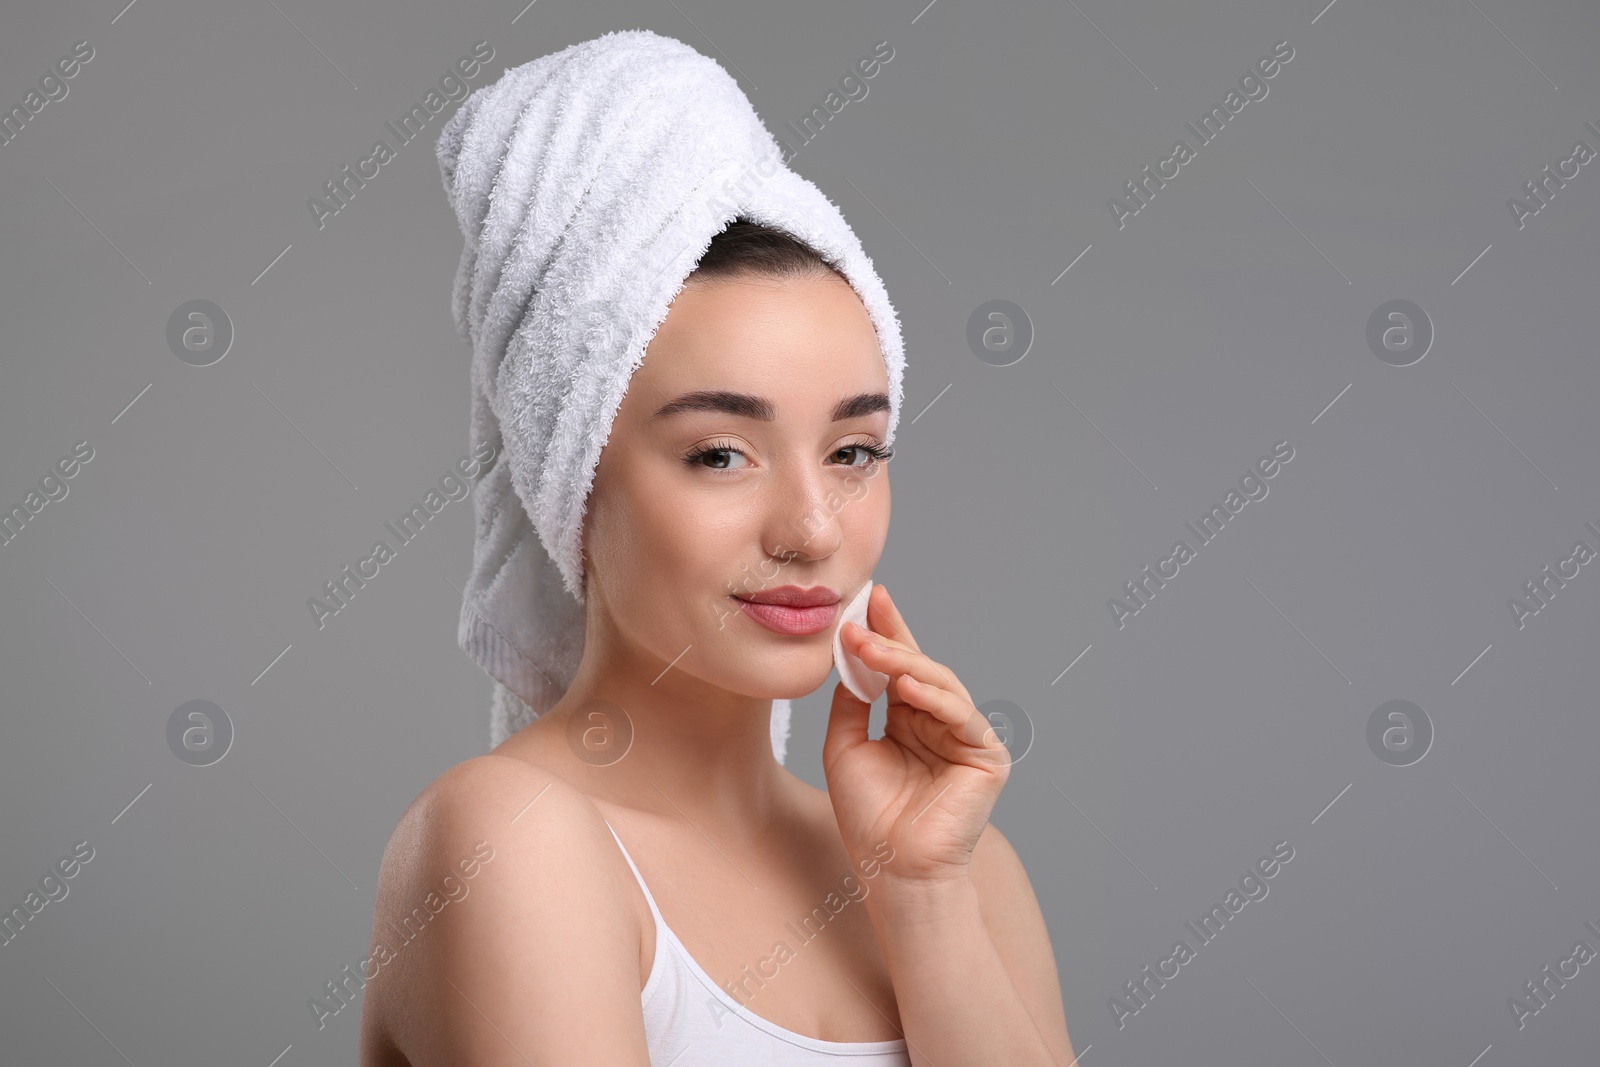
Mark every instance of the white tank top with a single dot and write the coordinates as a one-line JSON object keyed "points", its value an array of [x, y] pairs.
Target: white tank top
{"points": [[691, 1021]]}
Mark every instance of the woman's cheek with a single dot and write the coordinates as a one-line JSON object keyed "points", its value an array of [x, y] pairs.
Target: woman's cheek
{"points": [[866, 511]]}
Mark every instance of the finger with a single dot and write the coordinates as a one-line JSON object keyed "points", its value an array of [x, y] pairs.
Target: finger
{"points": [[886, 618], [857, 633], [921, 734], [847, 724], [963, 721], [895, 659], [934, 742], [857, 638]]}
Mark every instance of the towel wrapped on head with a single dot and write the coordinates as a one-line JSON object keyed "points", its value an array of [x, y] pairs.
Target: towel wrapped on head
{"points": [[588, 183]]}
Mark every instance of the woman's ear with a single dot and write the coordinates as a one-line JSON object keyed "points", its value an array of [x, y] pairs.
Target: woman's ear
{"points": [[588, 569]]}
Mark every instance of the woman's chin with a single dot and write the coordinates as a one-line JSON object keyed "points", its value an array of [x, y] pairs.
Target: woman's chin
{"points": [[787, 685]]}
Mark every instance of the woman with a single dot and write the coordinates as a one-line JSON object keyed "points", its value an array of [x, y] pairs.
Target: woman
{"points": [[648, 884]]}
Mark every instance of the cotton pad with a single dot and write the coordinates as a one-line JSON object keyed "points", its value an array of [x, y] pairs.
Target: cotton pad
{"points": [[857, 677]]}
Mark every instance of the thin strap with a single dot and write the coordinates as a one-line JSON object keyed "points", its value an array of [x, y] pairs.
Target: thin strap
{"points": [[649, 899]]}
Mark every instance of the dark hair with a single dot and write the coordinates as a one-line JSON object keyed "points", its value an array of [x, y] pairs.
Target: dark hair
{"points": [[747, 247]]}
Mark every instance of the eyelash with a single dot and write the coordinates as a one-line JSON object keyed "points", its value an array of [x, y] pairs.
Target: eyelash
{"points": [[879, 454]]}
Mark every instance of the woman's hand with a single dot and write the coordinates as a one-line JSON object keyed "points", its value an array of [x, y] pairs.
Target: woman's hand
{"points": [[928, 785]]}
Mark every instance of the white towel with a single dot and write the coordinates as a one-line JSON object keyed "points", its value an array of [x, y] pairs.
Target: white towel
{"points": [[588, 183]]}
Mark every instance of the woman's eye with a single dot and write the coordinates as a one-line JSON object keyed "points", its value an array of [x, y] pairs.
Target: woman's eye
{"points": [[721, 457], [874, 453]]}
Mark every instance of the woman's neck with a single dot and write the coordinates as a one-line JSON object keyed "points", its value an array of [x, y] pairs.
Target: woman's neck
{"points": [[672, 746]]}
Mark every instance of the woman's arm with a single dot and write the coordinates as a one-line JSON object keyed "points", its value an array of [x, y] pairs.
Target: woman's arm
{"points": [[953, 911], [974, 975], [530, 956]]}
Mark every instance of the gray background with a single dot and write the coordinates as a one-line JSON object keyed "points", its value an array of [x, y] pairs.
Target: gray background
{"points": [[1228, 315]]}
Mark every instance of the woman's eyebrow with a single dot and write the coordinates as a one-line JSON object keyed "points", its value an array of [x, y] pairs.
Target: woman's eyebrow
{"points": [[746, 405]]}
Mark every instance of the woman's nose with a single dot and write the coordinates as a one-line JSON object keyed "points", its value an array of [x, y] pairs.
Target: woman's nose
{"points": [[804, 515]]}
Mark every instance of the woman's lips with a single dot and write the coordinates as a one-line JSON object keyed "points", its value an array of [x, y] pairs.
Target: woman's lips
{"points": [[787, 620]]}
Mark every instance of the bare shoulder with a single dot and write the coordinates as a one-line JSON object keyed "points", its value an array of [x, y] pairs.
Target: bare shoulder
{"points": [[502, 932], [1016, 924], [492, 791]]}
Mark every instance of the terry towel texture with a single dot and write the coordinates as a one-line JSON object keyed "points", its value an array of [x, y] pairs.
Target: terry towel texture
{"points": [[588, 183]]}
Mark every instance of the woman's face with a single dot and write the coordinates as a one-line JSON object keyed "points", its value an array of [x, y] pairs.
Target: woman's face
{"points": [[738, 463]]}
